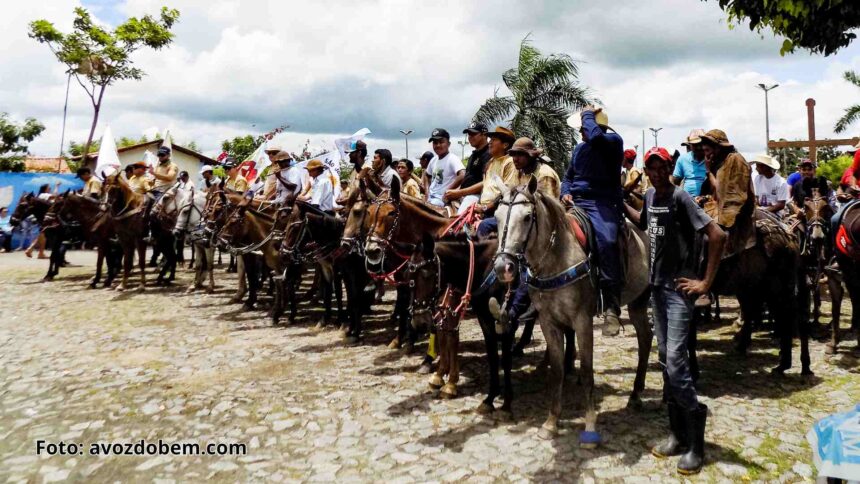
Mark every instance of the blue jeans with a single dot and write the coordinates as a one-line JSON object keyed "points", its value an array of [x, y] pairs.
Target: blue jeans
{"points": [[487, 227], [672, 312], [605, 216]]}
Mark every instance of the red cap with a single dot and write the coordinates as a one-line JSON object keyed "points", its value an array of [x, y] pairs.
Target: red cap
{"points": [[658, 152], [629, 155]]}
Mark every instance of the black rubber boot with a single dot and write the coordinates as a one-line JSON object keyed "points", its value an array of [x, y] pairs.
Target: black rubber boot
{"points": [[676, 443], [694, 422]]}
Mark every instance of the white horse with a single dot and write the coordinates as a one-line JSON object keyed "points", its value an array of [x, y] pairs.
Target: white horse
{"points": [[534, 230], [191, 203]]}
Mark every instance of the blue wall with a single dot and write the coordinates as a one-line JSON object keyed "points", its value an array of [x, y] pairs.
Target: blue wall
{"points": [[30, 182]]}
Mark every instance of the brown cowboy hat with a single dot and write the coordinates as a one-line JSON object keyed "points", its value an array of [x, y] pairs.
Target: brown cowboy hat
{"points": [[717, 137], [314, 164], [139, 164], [282, 156], [527, 146], [503, 134]]}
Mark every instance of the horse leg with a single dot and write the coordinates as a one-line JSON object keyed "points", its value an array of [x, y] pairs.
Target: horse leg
{"points": [[589, 438], [507, 366], [438, 379], [638, 312], [449, 390], [128, 260], [208, 259], [252, 271], [834, 286], [100, 257], [554, 337], [278, 302], [569, 352], [241, 286], [488, 327], [141, 255], [338, 294], [744, 337]]}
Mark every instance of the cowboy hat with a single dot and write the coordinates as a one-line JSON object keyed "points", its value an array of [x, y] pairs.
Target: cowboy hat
{"points": [[527, 146], [139, 164], [600, 117], [694, 138], [503, 134], [767, 161], [273, 147], [717, 137], [205, 169], [314, 164]]}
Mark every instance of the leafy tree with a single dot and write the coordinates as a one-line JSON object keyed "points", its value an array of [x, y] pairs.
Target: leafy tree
{"points": [[241, 147], [833, 169], [544, 91], [14, 139], [821, 26], [97, 57], [852, 113], [788, 157]]}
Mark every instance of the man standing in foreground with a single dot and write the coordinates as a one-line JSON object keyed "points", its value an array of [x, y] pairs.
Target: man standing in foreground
{"points": [[672, 219], [593, 183]]}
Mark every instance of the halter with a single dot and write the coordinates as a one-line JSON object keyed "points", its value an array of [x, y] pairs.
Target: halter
{"points": [[273, 234], [425, 306], [511, 203], [386, 242]]}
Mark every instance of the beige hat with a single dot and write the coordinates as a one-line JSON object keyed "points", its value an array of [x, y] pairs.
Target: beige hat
{"points": [[694, 138], [314, 164], [717, 137], [527, 146], [766, 161], [282, 156], [601, 118], [273, 147]]}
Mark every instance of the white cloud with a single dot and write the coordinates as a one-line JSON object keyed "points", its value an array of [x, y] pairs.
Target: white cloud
{"points": [[329, 68]]}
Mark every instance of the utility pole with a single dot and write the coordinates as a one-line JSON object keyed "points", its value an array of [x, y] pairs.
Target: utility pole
{"points": [[462, 144], [406, 133], [766, 113], [654, 131]]}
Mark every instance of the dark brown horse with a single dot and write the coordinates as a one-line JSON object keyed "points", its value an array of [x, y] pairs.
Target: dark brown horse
{"points": [[98, 229], [128, 212], [31, 205], [816, 245]]}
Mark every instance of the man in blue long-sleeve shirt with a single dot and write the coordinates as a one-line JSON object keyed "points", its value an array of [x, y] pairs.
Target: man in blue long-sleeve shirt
{"points": [[593, 183]]}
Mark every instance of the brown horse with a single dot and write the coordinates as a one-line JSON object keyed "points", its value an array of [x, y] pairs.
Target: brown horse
{"points": [[816, 245], [128, 212], [98, 228], [216, 209]]}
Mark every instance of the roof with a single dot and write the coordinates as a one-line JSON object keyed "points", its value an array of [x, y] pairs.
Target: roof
{"points": [[46, 164], [203, 158]]}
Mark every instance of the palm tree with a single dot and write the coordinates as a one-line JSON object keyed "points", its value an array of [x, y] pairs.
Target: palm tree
{"points": [[853, 112], [544, 91]]}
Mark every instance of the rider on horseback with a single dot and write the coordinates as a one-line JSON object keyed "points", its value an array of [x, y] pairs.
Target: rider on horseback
{"points": [[592, 182]]}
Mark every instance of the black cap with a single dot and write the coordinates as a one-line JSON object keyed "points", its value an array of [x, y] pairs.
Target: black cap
{"points": [[476, 127], [163, 151], [356, 146], [229, 162], [439, 133], [428, 155]]}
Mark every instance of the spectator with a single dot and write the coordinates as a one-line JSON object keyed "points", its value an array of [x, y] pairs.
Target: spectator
{"points": [[409, 185], [690, 168], [5, 229], [771, 190], [444, 171]]}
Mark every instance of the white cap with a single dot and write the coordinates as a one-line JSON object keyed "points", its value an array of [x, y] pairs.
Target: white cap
{"points": [[274, 147], [205, 169]]}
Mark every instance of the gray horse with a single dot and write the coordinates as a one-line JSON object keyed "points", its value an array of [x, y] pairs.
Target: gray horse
{"points": [[534, 230]]}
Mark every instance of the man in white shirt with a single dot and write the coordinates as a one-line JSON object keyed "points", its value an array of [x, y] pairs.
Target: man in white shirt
{"points": [[291, 180], [381, 166], [322, 191], [209, 178], [445, 171], [771, 190]]}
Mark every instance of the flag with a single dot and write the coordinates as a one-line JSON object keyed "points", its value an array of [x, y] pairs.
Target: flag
{"points": [[343, 144], [108, 159]]}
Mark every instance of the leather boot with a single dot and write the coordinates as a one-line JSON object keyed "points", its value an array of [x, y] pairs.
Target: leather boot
{"points": [[611, 314], [676, 443], [694, 422]]}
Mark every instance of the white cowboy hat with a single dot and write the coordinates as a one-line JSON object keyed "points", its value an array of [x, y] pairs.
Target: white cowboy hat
{"points": [[205, 169], [766, 161], [601, 118], [274, 147]]}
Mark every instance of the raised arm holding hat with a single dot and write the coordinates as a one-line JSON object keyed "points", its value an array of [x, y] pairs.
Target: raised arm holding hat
{"points": [[593, 184]]}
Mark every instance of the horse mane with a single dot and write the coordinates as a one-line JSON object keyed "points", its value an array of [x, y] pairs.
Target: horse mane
{"points": [[554, 208], [423, 206]]}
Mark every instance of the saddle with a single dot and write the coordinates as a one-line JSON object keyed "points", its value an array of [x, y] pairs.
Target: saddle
{"points": [[582, 229], [848, 234], [772, 234]]}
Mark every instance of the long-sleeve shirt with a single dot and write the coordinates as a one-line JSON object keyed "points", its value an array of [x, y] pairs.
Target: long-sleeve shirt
{"points": [[595, 164]]}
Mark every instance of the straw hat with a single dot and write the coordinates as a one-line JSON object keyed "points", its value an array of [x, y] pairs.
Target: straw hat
{"points": [[503, 134], [314, 164], [694, 138], [139, 164], [282, 156], [600, 117], [767, 161]]}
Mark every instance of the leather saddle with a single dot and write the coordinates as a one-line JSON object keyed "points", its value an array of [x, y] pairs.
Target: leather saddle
{"points": [[848, 234]]}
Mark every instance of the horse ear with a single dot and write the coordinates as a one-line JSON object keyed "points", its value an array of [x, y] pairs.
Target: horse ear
{"points": [[428, 246], [533, 185], [395, 188]]}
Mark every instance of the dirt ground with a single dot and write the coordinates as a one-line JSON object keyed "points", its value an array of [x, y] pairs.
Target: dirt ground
{"points": [[98, 366]]}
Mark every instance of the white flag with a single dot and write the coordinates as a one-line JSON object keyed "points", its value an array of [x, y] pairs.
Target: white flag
{"points": [[108, 159], [343, 145]]}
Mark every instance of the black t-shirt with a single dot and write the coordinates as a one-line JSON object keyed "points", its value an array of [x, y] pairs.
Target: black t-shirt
{"points": [[475, 167], [671, 224]]}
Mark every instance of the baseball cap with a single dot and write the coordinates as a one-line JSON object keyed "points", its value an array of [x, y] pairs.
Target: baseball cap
{"points": [[428, 155], [476, 127], [439, 133], [163, 151], [356, 146], [657, 152]]}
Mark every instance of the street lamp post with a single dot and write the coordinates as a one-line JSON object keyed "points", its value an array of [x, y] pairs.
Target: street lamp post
{"points": [[406, 133], [766, 113], [654, 131], [462, 144]]}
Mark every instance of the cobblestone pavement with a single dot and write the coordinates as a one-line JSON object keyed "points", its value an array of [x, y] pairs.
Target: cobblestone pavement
{"points": [[90, 366]]}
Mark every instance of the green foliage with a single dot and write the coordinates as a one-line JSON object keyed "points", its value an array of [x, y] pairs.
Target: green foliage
{"points": [[833, 169], [544, 91], [97, 57], [241, 147], [789, 158], [14, 164], [821, 26], [219, 171], [77, 149], [852, 113], [14, 139]]}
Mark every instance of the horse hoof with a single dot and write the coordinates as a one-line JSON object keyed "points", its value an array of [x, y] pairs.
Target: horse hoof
{"points": [[408, 348], [395, 343], [589, 439], [634, 403], [436, 381], [92, 285], [141, 288], [779, 370], [547, 432], [448, 391], [190, 290], [807, 371], [517, 352], [485, 408]]}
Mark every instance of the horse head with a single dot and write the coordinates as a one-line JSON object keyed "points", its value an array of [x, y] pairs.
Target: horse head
{"points": [[22, 209], [356, 208], [234, 227], [423, 275], [517, 220], [817, 211], [384, 218]]}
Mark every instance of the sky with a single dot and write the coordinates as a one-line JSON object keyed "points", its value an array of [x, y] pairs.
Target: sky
{"points": [[331, 67]]}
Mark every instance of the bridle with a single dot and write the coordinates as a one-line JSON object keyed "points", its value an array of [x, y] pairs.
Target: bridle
{"points": [[412, 269], [385, 243], [511, 202]]}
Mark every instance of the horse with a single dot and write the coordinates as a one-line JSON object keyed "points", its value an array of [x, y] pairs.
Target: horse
{"points": [[31, 205], [848, 259], [203, 237], [535, 231], [98, 228], [816, 245], [128, 213], [163, 220]]}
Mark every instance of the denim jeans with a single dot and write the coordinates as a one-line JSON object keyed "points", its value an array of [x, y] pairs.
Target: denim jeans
{"points": [[672, 312]]}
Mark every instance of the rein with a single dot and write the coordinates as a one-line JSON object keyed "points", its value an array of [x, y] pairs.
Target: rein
{"points": [[386, 243]]}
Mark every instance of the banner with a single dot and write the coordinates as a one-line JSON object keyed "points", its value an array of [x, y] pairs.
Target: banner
{"points": [[108, 156], [13, 185], [343, 144]]}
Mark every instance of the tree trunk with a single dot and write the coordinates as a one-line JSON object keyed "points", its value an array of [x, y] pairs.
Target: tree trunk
{"points": [[97, 106]]}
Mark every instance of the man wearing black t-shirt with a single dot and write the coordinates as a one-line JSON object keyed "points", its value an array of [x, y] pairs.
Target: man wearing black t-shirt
{"points": [[671, 219], [473, 182]]}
